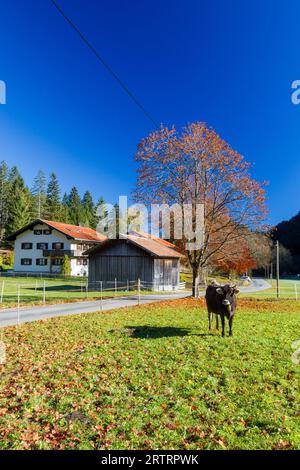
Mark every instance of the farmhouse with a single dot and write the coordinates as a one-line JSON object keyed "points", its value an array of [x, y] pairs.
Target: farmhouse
{"points": [[137, 256], [41, 246]]}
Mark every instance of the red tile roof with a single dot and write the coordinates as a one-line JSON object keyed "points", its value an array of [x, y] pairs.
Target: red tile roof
{"points": [[153, 237], [154, 247], [150, 243], [75, 231], [72, 231]]}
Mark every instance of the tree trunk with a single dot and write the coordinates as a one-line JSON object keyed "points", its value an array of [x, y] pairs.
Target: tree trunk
{"points": [[195, 287]]}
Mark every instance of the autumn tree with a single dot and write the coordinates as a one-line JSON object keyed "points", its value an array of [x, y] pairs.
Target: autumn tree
{"points": [[195, 166], [235, 258], [260, 248]]}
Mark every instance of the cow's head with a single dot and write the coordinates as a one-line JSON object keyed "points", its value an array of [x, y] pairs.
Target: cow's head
{"points": [[227, 295]]}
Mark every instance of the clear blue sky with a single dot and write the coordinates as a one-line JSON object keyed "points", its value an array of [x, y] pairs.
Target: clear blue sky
{"points": [[227, 62]]}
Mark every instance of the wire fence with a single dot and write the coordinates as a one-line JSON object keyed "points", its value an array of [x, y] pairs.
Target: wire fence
{"points": [[42, 291], [21, 291], [40, 275]]}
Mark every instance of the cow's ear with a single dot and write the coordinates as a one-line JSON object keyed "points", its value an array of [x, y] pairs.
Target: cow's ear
{"points": [[219, 291], [236, 291]]}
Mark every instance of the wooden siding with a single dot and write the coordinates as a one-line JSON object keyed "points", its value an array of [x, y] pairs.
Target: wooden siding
{"points": [[121, 248], [127, 263], [122, 268]]}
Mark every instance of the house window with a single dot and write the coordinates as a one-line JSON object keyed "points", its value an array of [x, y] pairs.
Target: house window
{"points": [[42, 246], [57, 262], [41, 262], [26, 246], [26, 261], [57, 246], [38, 232], [82, 262], [47, 231]]}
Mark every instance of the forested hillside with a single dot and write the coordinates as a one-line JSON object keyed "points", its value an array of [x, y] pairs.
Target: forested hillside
{"points": [[288, 234], [19, 203]]}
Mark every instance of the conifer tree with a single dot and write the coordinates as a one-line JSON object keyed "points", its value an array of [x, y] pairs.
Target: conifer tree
{"points": [[4, 197], [39, 196], [75, 208], [53, 204], [18, 206], [88, 210]]}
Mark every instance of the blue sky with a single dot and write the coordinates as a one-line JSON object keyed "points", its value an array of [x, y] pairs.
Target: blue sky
{"points": [[229, 63]]}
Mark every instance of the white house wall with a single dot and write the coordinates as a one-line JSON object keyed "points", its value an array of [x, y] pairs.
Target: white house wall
{"points": [[34, 253]]}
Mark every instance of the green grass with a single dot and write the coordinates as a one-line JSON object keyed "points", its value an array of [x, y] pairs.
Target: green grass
{"points": [[57, 290], [287, 289], [153, 377]]}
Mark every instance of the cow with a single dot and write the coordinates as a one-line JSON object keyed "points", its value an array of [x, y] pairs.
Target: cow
{"points": [[222, 301]]}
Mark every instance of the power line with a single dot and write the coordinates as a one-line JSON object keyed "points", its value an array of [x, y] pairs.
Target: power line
{"points": [[105, 64]]}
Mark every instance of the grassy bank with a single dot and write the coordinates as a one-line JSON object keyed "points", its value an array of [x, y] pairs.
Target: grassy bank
{"points": [[153, 377]]}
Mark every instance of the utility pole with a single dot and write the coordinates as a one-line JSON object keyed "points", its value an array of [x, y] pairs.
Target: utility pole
{"points": [[271, 271], [277, 268]]}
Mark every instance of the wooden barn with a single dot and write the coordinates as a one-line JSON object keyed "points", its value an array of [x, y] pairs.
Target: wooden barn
{"points": [[153, 261]]}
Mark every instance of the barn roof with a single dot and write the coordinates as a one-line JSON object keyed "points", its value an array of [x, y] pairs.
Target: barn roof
{"points": [[72, 231], [143, 234], [156, 247]]}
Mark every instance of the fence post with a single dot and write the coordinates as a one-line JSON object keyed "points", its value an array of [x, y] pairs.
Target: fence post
{"points": [[139, 291], [36, 284], [101, 303], [116, 286], [86, 290], [2, 291], [296, 291], [127, 285], [18, 305], [44, 292]]}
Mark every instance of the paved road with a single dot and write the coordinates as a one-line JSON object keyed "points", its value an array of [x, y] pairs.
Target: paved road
{"points": [[9, 317], [256, 286]]}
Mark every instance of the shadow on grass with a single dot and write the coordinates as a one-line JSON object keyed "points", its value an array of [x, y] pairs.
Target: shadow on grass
{"points": [[155, 332], [60, 288]]}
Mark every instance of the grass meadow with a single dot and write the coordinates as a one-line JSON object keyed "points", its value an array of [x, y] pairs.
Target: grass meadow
{"points": [[153, 377], [57, 290]]}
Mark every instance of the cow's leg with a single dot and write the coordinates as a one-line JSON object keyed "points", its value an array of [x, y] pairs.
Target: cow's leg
{"points": [[230, 325], [223, 324], [217, 322], [210, 318]]}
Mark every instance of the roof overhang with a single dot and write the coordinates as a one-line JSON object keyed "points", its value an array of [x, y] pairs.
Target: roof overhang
{"points": [[35, 222], [173, 254]]}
